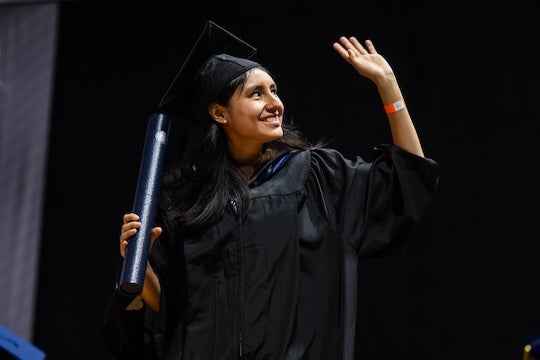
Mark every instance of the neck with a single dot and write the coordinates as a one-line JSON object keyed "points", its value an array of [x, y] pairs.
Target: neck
{"points": [[246, 155], [251, 166]]}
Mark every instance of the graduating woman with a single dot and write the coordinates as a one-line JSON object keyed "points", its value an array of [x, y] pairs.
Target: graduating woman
{"points": [[258, 232]]}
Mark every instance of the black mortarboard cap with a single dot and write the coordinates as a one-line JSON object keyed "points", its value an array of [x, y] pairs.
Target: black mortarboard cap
{"points": [[217, 57]]}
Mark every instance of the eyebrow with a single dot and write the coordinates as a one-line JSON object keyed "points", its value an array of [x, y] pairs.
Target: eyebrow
{"points": [[256, 86]]}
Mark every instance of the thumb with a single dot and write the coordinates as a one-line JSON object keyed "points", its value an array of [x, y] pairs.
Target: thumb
{"points": [[156, 232]]}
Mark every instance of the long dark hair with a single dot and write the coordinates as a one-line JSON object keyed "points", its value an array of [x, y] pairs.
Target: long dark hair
{"points": [[201, 185]]}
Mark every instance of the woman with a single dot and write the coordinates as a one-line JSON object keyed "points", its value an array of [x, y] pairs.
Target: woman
{"points": [[258, 233]]}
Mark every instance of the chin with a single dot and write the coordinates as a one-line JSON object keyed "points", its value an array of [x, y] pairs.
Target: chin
{"points": [[278, 134]]}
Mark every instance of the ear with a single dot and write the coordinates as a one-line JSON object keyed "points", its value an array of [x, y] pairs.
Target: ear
{"points": [[217, 113]]}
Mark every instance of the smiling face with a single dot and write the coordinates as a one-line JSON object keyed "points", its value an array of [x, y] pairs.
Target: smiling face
{"points": [[252, 117]]}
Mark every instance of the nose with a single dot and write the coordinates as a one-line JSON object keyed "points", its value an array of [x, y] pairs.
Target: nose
{"points": [[275, 107], [274, 111]]}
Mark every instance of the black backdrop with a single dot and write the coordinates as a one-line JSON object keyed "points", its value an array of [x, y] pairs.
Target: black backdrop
{"points": [[467, 289]]}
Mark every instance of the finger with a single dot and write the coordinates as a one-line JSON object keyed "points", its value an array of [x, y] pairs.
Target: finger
{"points": [[130, 217], [346, 48], [370, 47], [126, 235], [349, 45], [129, 221], [341, 50], [123, 247], [156, 232], [128, 232], [357, 45], [129, 229]]}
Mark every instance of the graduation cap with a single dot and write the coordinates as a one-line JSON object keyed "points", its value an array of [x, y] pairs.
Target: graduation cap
{"points": [[217, 57]]}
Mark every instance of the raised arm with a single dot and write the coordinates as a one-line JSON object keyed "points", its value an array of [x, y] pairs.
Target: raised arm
{"points": [[374, 66]]}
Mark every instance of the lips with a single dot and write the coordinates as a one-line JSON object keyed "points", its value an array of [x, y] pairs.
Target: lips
{"points": [[271, 120]]}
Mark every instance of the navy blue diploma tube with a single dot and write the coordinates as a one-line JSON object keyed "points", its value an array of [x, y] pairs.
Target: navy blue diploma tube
{"points": [[146, 197]]}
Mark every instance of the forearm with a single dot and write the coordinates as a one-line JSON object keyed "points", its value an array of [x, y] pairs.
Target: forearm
{"points": [[151, 290], [150, 294], [402, 128]]}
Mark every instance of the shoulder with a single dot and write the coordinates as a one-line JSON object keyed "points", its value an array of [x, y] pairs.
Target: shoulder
{"points": [[324, 160]]}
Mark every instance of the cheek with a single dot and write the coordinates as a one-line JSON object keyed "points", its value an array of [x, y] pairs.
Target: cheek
{"points": [[247, 112]]}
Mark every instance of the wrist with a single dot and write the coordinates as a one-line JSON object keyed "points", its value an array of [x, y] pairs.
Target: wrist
{"points": [[394, 106], [136, 304], [386, 80]]}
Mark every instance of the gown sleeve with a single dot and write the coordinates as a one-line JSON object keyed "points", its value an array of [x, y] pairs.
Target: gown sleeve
{"points": [[127, 333], [136, 332], [375, 206]]}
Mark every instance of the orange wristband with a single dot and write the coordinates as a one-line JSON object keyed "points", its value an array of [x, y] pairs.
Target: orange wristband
{"points": [[394, 107]]}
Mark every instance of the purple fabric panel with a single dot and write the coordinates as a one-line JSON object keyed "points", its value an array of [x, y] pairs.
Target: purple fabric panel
{"points": [[27, 50]]}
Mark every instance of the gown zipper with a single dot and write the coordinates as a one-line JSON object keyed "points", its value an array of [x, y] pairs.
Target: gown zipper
{"points": [[275, 165], [234, 206]]}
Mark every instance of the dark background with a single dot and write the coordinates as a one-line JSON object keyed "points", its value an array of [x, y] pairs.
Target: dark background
{"points": [[468, 287]]}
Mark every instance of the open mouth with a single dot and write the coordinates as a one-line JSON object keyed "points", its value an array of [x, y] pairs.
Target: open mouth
{"points": [[271, 119]]}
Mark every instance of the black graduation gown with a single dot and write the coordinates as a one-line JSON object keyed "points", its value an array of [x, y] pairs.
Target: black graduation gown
{"points": [[281, 282]]}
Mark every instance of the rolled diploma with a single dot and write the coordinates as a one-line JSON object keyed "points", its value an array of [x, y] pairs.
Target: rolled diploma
{"points": [[146, 197]]}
